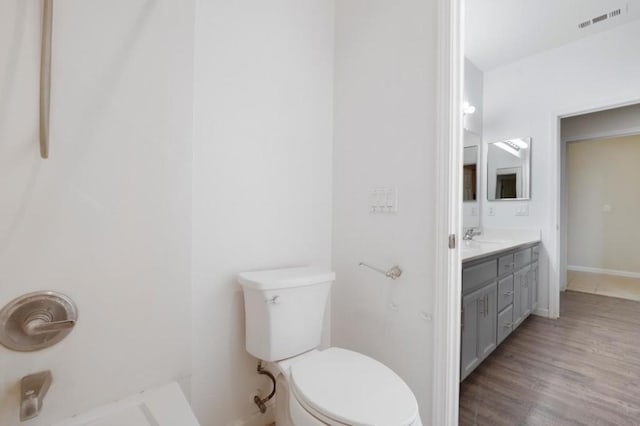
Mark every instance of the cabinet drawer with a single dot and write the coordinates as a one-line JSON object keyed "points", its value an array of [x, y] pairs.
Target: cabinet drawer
{"points": [[505, 292], [506, 265], [535, 253], [522, 258], [474, 276], [505, 323]]}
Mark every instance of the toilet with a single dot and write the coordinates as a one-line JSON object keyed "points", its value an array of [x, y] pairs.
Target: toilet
{"points": [[284, 312]]}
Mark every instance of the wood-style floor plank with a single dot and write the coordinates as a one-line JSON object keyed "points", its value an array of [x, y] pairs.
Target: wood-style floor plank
{"points": [[582, 369]]}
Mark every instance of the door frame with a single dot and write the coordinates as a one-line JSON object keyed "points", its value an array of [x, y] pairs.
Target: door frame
{"points": [[558, 261], [448, 279], [449, 160]]}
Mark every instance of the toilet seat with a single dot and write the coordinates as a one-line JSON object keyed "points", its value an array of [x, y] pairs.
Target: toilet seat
{"points": [[342, 387]]}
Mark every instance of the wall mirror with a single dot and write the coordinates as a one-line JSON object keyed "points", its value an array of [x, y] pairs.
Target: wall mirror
{"points": [[509, 169], [471, 180]]}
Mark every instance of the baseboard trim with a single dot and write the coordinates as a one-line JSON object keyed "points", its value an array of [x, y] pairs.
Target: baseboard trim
{"points": [[542, 313], [604, 271]]}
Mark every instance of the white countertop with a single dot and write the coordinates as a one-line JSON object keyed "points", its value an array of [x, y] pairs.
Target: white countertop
{"points": [[495, 240]]}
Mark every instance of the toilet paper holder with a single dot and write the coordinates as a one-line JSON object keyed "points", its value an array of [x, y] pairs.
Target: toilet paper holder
{"points": [[394, 272]]}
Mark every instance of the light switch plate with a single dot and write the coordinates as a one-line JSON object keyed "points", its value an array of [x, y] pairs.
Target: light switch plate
{"points": [[383, 200]]}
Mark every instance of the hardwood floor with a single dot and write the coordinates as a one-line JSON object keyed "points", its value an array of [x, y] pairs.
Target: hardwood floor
{"points": [[582, 369]]}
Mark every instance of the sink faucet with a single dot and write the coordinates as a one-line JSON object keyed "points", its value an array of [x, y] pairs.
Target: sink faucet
{"points": [[470, 233]]}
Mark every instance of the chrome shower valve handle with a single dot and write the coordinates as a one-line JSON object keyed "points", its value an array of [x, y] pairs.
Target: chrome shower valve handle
{"points": [[37, 320], [42, 323]]}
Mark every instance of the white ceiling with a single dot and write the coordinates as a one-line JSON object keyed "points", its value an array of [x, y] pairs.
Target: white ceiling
{"points": [[499, 32]]}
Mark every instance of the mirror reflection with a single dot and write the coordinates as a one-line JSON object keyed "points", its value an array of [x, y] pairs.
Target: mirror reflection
{"points": [[470, 174], [509, 169]]}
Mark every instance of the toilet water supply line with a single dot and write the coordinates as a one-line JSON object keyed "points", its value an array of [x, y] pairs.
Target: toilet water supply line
{"points": [[262, 402]]}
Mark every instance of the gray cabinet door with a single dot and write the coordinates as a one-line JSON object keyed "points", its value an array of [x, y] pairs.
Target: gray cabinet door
{"points": [[528, 293], [534, 286], [505, 323], [505, 292], [518, 287], [506, 265], [525, 293], [476, 276], [487, 320], [469, 333]]}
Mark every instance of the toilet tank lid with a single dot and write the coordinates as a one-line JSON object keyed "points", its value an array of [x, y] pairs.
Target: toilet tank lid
{"points": [[285, 278]]}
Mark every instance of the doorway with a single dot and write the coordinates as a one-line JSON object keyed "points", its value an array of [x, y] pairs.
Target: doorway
{"points": [[531, 94], [599, 155]]}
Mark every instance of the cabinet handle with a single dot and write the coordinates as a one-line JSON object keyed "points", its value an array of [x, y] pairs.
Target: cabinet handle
{"points": [[486, 304], [481, 302], [508, 293], [462, 312], [508, 325]]}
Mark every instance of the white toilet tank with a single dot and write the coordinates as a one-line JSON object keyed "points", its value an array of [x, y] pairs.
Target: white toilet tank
{"points": [[284, 310]]}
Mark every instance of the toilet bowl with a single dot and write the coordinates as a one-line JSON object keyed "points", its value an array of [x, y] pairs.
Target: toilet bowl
{"points": [[341, 387], [284, 312]]}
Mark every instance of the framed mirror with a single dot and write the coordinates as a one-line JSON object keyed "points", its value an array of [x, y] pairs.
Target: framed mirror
{"points": [[471, 176], [509, 169]]}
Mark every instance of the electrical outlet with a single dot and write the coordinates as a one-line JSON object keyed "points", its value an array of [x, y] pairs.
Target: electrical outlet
{"points": [[492, 211], [523, 210]]}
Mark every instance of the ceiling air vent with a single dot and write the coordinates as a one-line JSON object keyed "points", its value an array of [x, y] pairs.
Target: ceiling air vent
{"points": [[584, 24], [600, 18]]}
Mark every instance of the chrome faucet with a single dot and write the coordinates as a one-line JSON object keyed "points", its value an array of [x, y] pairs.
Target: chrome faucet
{"points": [[469, 233], [33, 389]]}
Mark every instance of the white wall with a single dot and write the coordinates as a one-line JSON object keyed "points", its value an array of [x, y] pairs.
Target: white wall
{"points": [[611, 122], [385, 93], [262, 175], [473, 88], [473, 93], [520, 99], [106, 219], [603, 204]]}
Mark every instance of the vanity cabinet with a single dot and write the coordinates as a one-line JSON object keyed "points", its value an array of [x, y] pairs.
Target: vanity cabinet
{"points": [[499, 291], [479, 316]]}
